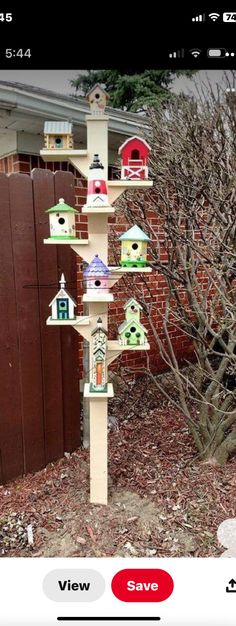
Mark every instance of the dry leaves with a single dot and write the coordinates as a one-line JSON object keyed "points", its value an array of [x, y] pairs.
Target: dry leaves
{"points": [[158, 506]]}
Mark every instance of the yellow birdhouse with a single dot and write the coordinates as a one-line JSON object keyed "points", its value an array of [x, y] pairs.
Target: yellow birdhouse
{"points": [[97, 98], [58, 136], [134, 248]]}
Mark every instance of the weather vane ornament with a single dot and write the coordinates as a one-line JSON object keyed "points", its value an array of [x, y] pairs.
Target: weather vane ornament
{"points": [[98, 276]]}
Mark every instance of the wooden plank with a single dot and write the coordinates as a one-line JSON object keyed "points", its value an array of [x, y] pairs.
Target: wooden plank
{"points": [[11, 447], [64, 188], [43, 188], [25, 267]]}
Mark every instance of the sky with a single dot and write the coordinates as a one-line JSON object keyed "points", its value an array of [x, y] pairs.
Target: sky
{"points": [[59, 80]]}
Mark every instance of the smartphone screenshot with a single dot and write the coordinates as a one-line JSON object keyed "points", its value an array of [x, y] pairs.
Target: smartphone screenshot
{"points": [[118, 323]]}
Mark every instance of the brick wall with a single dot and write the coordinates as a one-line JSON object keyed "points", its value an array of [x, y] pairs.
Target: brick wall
{"points": [[152, 286], [25, 163]]}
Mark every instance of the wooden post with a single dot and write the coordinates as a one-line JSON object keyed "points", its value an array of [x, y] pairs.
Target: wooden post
{"points": [[98, 451]]}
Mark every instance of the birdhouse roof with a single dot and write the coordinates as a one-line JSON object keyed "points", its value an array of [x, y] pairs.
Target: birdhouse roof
{"points": [[97, 268], [98, 328], [130, 139], [127, 323], [96, 87], [57, 128], [133, 234], [61, 207], [62, 293], [133, 301]]}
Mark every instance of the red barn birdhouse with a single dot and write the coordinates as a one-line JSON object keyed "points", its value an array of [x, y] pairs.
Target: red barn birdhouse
{"points": [[134, 154]]}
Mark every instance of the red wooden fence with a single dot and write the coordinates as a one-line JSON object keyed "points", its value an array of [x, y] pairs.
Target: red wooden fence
{"points": [[39, 381]]}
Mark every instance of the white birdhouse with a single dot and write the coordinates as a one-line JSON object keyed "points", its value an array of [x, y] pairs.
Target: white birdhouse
{"points": [[62, 221], [99, 342], [97, 98], [63, 305]]}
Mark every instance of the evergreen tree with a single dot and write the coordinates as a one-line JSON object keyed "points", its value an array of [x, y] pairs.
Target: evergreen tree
{"points": [[131, 91]]}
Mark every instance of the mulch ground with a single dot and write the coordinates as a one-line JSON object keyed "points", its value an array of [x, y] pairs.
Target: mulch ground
{"points": [[162, 502]]}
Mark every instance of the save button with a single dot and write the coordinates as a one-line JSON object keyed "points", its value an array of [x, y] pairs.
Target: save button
{"points": [[142, 585]]}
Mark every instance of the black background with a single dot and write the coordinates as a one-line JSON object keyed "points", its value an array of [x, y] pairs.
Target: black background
{"points": [[121, 36]]}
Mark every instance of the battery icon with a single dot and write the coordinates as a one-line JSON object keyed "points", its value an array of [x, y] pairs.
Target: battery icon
{"points": [[216, 53]]}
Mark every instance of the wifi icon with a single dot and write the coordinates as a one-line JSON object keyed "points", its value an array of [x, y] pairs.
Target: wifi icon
{"points": [[195, 53], [214, 16]]}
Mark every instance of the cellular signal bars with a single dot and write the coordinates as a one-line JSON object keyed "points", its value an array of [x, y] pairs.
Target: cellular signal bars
{"points": [[199, 18], [177, 54]]}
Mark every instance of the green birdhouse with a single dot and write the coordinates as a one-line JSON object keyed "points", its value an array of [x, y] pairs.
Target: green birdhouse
{"points": [[131, 331], [134, 248], [62, 221]]}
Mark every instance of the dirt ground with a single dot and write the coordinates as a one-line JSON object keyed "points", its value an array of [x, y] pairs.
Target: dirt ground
{"points": [[162, 502]]}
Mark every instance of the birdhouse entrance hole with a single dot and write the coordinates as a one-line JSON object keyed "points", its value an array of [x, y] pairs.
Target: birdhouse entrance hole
{"points": [[135, 155], [58, 142], [134, 246], [61, 220]]}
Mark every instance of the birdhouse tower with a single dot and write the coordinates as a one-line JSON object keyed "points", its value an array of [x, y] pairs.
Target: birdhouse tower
{"points": [[131, 331], [58, 136], [96, 277], [97, 98], [99, 343], [134, 154], [134, 248], [99, 279], [62, 305], [62, 221], [97, 186]]}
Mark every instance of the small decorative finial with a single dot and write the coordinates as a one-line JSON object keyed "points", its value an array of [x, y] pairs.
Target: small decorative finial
{"points": [[62, 280], [61, 201]]}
